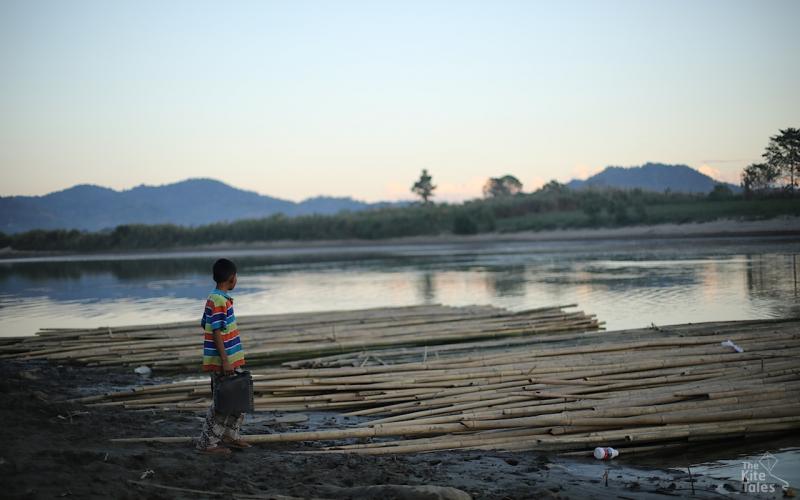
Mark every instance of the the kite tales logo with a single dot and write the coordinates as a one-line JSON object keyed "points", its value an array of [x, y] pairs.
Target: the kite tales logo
{"points": [[757, 477]]}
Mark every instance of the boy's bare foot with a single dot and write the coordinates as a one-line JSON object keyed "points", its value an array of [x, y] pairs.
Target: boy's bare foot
{"points": [[237, 443], [215, 450]]}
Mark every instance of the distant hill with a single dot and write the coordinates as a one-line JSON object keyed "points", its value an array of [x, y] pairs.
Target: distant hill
{"points": [[189, 203], [652, 177]]}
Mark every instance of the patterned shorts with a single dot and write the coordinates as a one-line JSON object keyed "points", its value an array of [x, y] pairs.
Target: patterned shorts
{"points": [[216, 427]]}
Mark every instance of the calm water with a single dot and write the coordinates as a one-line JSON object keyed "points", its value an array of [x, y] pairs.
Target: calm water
{"points": [[626, 283]]}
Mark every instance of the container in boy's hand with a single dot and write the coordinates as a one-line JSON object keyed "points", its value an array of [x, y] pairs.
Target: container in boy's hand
{"points": [[605, 453]]}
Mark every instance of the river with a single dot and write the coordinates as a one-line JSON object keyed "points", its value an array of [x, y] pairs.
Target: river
{"points": [[626, 283]]}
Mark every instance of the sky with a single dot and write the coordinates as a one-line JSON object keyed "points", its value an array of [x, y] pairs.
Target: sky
{"points": [[296, 99]]}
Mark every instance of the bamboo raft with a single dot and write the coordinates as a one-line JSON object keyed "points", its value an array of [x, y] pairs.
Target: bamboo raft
{"points": [[639, 390], [272, 339]]}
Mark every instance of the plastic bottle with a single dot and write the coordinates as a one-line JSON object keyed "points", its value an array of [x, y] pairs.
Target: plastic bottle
{"points": [[605, 453]]}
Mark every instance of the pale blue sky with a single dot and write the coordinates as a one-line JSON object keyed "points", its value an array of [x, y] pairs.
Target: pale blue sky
{"points": [[296, 99]]}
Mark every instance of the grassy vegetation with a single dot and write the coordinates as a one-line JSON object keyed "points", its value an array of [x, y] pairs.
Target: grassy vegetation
{"points": [[706, 210], [678, 213], [552, 207]]}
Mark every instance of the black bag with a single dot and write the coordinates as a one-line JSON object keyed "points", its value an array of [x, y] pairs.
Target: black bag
{"points": [[233, 394]]}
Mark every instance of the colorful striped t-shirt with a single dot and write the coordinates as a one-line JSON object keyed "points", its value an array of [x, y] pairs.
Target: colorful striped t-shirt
{"points": [[218, 315]]}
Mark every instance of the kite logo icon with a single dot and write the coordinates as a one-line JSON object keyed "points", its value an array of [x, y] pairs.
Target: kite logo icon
{"points": [[768, 461], [757, 476]]}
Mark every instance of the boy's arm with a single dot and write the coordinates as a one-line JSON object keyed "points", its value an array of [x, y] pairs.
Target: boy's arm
{"points": [[226, 367]]}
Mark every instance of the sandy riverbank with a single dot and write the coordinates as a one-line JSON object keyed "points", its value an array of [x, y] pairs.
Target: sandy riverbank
{"points": [[58, 449]]}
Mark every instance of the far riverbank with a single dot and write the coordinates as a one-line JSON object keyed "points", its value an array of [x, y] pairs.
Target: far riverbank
{"points": [[778, 227]]}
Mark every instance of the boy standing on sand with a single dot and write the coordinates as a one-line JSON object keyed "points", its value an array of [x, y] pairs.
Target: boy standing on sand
{"points": [[222, 355]]}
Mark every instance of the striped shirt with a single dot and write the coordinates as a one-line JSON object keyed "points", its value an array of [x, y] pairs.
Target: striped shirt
{"points": [[218, 315]]}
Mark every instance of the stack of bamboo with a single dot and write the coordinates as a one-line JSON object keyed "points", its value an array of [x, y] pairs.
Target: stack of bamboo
{"points": [[277, 338], [565, 392]]}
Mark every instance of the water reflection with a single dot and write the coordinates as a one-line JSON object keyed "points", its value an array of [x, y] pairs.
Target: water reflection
{"points": [[627, 284], [508, 281], [427, 287], [120, 270], [772, 280]]}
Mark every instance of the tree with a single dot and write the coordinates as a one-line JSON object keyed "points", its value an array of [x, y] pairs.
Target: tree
{"points": [[758, 177], [783, 155], [720, 192], [423, 187], [464, 224], [502, 186], [553, 187], [592, 205]]}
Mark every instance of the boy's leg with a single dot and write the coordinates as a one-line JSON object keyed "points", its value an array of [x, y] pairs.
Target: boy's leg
{"points": [[231, 436], [233, 425], [213, 428], [212, 432]]}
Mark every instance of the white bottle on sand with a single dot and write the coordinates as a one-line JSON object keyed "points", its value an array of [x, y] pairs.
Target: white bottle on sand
{"points": [[605, 453]]}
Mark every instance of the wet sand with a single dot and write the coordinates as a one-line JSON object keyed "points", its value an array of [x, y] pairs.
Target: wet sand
{"points": [[58, 449]]}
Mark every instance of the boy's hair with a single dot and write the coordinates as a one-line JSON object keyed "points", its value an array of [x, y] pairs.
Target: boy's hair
{"points": [[223, 270]]}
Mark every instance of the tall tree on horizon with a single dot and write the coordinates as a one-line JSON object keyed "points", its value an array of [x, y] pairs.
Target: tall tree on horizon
{"points": [[424, 187], [783, 154], [759, 177], [502, 186]]}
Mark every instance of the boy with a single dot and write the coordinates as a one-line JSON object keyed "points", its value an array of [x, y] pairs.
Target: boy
{"points": [[222, 355]]}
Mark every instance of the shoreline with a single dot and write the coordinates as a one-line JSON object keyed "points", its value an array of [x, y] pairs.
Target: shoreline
{"points": [[722, 228], [58, 448]]}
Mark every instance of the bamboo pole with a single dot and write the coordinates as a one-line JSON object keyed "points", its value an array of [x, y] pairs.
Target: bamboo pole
{"points": [[490, 379]]}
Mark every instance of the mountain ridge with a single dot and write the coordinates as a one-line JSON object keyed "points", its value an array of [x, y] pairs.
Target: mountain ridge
{"points": [[652, 177], [94, 208], [91, 207]]}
